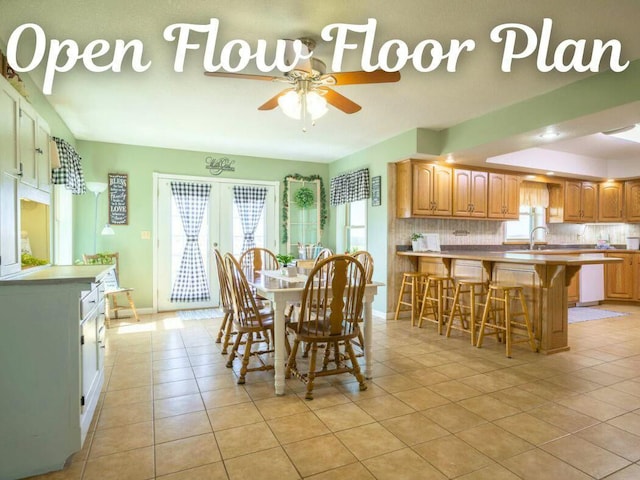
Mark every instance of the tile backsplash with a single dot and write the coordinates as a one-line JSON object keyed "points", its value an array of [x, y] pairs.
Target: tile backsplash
{"points": [[485, 232]]}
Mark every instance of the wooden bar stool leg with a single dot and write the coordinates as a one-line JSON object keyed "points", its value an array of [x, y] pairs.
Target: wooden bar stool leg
{"points": [[483, 322], [472, 314], [507, 320], [440, 306], [402, 285], [414, 299], [527, 321], [454, 307]]}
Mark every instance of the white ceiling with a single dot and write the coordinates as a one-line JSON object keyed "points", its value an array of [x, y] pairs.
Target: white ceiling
{"points": [[189, 111]]}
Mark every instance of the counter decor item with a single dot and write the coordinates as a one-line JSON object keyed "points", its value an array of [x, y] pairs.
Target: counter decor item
{"points": [[286, 268], [415, 241]]}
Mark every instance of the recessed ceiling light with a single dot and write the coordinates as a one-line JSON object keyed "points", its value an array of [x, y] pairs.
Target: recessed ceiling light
{"points": [[631, 133], [450, 159], [549, 134], [551, 173], [611, 180], [530, 177]]}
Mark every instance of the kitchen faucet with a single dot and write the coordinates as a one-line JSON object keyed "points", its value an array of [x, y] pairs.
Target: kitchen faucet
{"points": [[531, 235]]}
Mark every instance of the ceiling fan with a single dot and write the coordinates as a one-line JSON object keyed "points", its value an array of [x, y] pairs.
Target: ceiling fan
{"points": [[310, 90]]}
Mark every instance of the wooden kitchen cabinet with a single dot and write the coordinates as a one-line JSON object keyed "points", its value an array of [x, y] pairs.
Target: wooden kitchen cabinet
{"points": [[620, 278], [423, 189], [580, 201], [632, 200], [611, 202], [470, 190], [504, 196]]}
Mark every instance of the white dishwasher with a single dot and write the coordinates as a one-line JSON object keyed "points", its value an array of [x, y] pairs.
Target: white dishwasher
{"points": [[591, 284]]}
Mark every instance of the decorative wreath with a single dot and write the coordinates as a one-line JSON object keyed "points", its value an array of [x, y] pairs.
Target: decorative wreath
{"points": [[303, 198]]}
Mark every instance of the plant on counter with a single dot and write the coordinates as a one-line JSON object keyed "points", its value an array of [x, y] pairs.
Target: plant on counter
{"points": [[103, 258], [415, 241], [415, 236], [28, 260], [284, 259]]}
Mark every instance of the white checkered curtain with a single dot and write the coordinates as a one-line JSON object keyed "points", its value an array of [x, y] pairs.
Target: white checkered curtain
{"points": [[250, 202], [191, 283], [70, 171], [350, 187]]}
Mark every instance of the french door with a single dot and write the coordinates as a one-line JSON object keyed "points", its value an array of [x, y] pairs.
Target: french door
{"points": [[221, 228]]}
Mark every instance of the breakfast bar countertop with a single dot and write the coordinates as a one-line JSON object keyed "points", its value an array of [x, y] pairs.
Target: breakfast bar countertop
{"points": [[518, 257]]}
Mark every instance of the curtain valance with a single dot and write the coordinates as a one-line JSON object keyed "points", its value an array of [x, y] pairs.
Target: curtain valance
{"points": [[534, 194], [350, 187]]}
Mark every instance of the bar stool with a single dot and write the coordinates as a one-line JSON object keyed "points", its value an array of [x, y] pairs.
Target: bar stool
{"points": [[437, 294], [505, 294], [412, 284], [475, 288]]}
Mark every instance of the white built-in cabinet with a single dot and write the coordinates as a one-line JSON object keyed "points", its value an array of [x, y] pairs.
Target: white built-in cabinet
{"points": [[52, 346], [25, 169]]}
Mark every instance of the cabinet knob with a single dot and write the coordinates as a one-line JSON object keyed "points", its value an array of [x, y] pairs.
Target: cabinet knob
{"points": [[39, 150]]}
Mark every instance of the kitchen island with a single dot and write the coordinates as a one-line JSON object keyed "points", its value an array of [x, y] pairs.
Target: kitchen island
{"points": [[52, 357], [545, 279]]}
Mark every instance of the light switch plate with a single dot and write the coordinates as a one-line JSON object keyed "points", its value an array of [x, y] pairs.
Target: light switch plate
{"points": [[145, 235]]}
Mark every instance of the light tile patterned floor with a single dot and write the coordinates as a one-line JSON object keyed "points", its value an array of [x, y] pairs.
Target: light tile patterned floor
{"points": [[437, 408]]}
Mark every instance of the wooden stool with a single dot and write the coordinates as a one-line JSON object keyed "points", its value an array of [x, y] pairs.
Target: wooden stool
{"points": [[505, 294], [466, 314], [437, 294], [414, 281]]}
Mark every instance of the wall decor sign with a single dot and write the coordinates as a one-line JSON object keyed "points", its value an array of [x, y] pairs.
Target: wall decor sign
{"points": [[219, 165], [376, 191], [118, 199]]}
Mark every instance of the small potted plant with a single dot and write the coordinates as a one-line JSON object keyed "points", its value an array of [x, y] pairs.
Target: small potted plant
{"points": [[415, 241], [285, 262]]}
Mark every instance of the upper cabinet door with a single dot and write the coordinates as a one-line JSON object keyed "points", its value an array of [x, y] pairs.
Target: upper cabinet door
{"points": [[27, 152], [43, 156], [511, 197], [589, 202], [422, 191], [479, 193], [610, 202], [572, 201], [496, 195], [632, 194], [9, 111], [441, 191], [462, 192]]}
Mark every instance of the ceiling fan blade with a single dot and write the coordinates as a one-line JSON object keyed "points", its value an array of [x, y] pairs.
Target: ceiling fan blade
{"points": [[267, 78], [353, 78], [340, 101], [273, 101]]}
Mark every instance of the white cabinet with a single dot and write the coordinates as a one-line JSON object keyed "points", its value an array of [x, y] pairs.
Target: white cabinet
{"points": [[25, 169], [51, 352], [9, 225]]}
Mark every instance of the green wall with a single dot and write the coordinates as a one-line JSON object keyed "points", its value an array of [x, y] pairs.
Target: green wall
{"points": [[136, 254]]}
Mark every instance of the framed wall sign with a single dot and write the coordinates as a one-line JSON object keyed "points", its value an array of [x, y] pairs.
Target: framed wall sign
{"points": [[118, 199], [376, 191]]}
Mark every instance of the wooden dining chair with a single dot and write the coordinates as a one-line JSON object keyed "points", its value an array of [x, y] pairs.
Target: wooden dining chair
{"points": [[112, 286], [226, 303], [258, 258], [248, 321], [366, 260], [333, 292]]}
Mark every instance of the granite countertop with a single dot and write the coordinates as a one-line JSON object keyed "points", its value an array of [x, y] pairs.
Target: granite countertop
{"points": [[523, 257], [58, 274]]}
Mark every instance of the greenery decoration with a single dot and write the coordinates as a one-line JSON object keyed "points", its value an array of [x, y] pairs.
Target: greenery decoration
{"points": [[304, 197], [104, 258], [415, 236], [284, 259], [285, 201], [28, 260]]}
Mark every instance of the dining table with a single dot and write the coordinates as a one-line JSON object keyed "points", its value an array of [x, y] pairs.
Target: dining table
{"points": [[282, 290]]}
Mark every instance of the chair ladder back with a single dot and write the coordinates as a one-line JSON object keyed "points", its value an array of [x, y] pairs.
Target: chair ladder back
{"points": [[245, 310], [257, 258], [223, 280], [366, 260]]}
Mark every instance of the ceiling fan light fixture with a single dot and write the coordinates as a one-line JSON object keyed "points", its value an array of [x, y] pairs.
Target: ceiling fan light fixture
{"points": [[292, 106]]}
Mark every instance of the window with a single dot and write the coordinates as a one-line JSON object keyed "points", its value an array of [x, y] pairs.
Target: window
{"points": [[530, 218], [355, 226]]}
